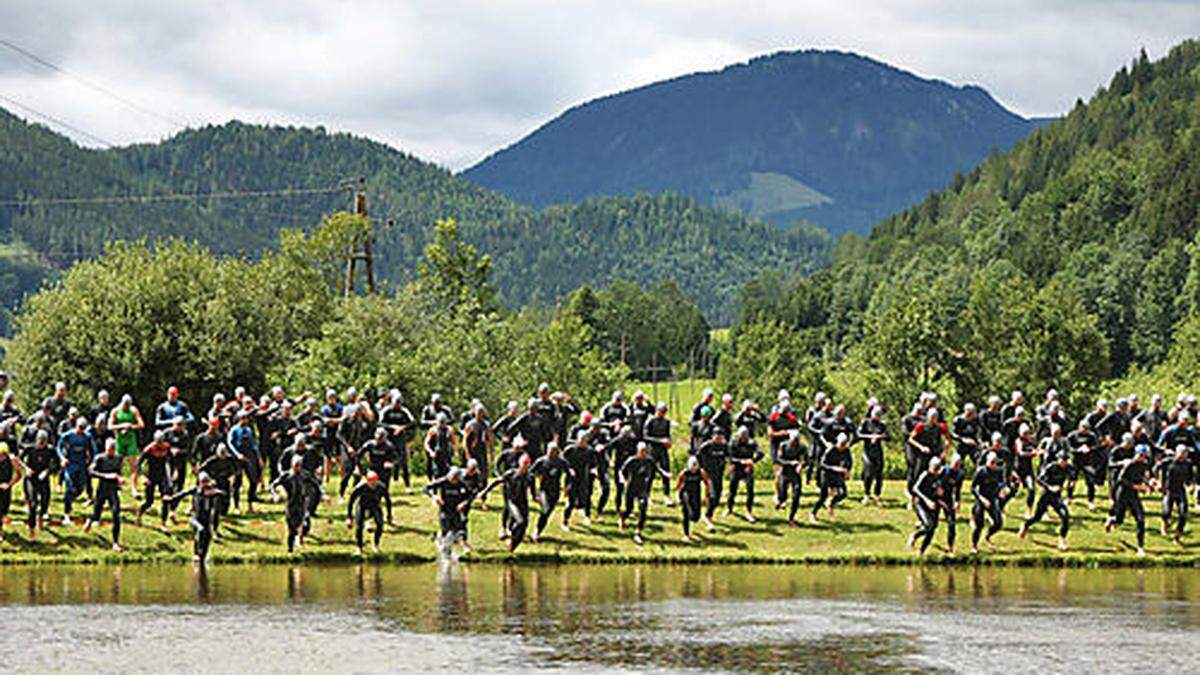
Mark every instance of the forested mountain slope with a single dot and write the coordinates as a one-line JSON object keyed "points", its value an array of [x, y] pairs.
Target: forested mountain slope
{"points": [[828, 137]]}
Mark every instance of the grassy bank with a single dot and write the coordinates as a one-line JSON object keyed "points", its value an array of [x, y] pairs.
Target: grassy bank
{"points": [[858, 535]]}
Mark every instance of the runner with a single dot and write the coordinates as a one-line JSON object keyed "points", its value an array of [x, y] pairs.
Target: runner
{"points": [[124, 423], [366, 501], [106, 469], [687, 488]]}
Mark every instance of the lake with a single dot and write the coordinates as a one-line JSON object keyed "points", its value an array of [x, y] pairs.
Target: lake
{"points": [[463, 618]]}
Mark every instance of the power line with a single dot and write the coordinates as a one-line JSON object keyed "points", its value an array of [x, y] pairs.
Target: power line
{"points": [[168, 197], [91, 85], [54, 120]]}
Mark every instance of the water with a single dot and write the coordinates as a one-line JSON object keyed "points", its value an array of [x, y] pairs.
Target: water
{"points": [[595, 618]]}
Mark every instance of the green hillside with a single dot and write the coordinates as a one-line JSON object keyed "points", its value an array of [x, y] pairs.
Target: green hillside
{"points": [[538, 256], [1070, 260]]}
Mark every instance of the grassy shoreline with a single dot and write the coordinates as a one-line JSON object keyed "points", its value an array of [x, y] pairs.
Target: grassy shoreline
{"points": [[860, 535]]}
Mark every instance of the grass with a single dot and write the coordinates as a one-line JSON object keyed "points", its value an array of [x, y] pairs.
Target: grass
{"points": [[858, 535], [680, 396]]}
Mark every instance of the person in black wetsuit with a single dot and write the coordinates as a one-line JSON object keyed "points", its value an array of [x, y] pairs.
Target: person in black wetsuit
{"points": [[743, 455], [1175, 473], [302, 488], [835, 466], [516, 482], [1132, 481], [928, 501], [40, 462], [223, 469], [477, 439], [988, 488], [1117, 456], [1087, 460], [790, 457], [780, 425], [638, 472], [712, 455], [657, 432], [440, 441], [400, 424], [688, 488], [550, 470], [106, 469], [180, 442], [1025, 450], [965, 430], [1053, 479], [204, 506], [620, 449], [584, 462], [10, 472], [366, 500], [380, 456], [156, 458], [873, 432], [452, 496], [953, 478]]}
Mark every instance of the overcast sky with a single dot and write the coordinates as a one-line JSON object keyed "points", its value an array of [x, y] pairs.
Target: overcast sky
{"points": [[452, 81]]}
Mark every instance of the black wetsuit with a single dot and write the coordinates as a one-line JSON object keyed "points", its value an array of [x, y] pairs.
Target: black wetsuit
{"points": [[1130, 475], [550, 472], [303, 488], [743, 455], [204, 506], [476, 434], [712, 456], [657, 433], [223, 471], [41, 462], [690, 483], [106, 469], [399, 422], [952, 482], [515, 518], [365, 501], [6, 478], [583, 460], [987, 486], [834, 467], [929, 503], [1087, 459], [965, 431], [155, 462], [872, 455], [621, 449], [455, 497], [1176, 475], [790, 457], [1053, 479], [638, 473], [380, 456]]}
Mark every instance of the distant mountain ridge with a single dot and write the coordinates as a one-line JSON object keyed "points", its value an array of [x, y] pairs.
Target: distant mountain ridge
{"points": [[538, 256], [830, 137]]}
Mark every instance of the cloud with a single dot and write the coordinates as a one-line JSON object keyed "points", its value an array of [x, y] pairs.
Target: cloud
{"points": [[452, 81]]}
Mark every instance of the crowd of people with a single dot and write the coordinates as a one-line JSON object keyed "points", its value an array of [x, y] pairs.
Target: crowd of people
{"points": [[550, 450]]}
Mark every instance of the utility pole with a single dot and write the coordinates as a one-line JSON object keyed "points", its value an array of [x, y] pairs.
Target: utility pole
{"points": [[355, 254]]}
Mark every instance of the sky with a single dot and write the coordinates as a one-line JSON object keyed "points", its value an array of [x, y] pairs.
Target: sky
{"points": [[452, 81]]}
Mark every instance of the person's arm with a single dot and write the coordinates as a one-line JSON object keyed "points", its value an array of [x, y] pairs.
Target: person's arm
{"points": [[138, 424], [977, 493]]}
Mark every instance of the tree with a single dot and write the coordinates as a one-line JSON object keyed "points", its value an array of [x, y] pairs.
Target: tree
{"points": [[769, 356]]}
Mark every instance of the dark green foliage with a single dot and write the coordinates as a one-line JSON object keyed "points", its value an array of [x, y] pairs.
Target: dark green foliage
{"points": [[536, 256], [1066, 262], [652, 332], [777, 137]]}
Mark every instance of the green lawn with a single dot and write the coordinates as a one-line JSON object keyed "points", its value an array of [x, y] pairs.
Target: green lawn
{"points": [[680, 396], [859, 534]]}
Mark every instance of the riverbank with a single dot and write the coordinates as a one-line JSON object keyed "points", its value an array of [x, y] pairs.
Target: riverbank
{"points": [[859, 535]]}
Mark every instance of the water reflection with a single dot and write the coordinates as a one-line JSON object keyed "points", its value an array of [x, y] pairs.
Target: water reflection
{"points": [[484, 617]]}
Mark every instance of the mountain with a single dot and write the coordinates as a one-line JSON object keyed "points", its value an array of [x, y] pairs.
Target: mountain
{"points": [[827, 137], [1069, 260], [538, 256]]}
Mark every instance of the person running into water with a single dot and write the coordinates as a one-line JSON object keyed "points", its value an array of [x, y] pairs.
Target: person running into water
{"points": [[1053, 480], [106, 469], [712, 455], [874, 433], [687, 488], [790, 457], [834, 465], [988, 487], [205, 495], [302, 488], [928, 501], [550, 470], [452, 496], [366, 501], [1132, 481], [516, 482], [638, 473], [1175, 473], [156, 457]]}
